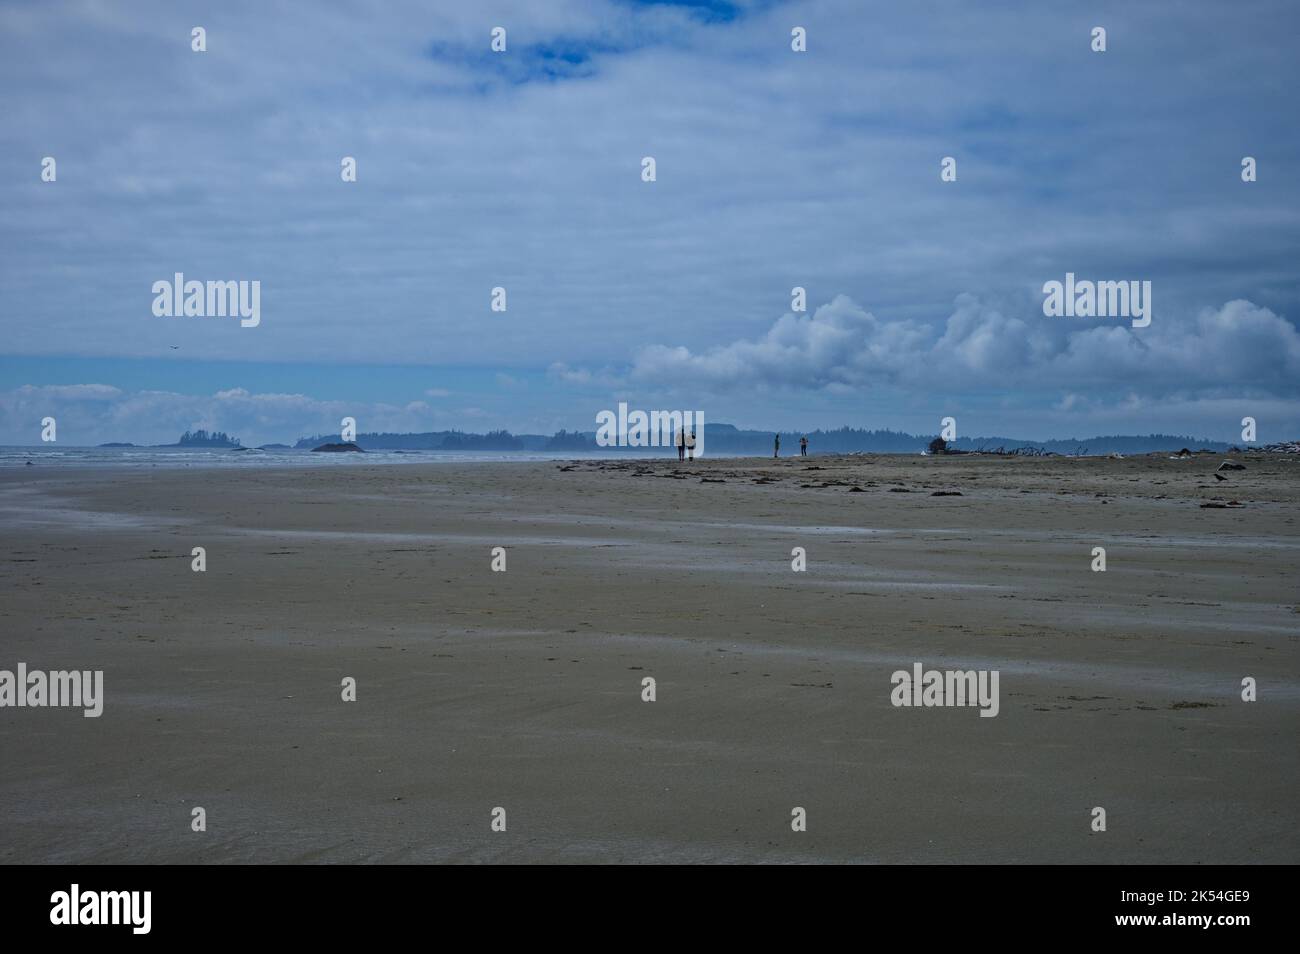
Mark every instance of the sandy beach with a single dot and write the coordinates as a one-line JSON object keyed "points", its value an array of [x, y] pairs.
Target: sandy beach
{"points": [[523, 689]]}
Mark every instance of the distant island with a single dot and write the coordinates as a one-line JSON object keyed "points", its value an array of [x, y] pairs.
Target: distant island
{"points": [[202, 438], [438, 440], [727, 439], [344, 448]]}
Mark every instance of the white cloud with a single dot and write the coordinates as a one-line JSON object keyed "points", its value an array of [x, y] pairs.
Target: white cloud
{"points": [[978, 348], [95, 413], [585, 377], [839, 343], [775, 169]]}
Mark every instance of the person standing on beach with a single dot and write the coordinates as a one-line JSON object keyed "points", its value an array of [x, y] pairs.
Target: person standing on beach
{"points": [[776, 446], [690, 446], [803, 446], [681, 443]]}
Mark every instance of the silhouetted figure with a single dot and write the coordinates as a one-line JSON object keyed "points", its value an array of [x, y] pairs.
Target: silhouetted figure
{"points": [[690, 446], [681, 443], [803, 446], [776, 446]]}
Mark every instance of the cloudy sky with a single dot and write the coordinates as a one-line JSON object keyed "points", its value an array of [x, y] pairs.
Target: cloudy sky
{"points": [[522, 170]]}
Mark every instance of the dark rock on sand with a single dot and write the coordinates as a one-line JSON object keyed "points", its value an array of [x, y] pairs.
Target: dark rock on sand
{"points": [[346, 448]]}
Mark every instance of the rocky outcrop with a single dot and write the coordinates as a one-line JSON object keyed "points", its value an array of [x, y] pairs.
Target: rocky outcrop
{"points": [[339, 448]]}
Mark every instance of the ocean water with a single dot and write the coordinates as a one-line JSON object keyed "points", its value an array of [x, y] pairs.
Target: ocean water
{"points": [[57, 456]]}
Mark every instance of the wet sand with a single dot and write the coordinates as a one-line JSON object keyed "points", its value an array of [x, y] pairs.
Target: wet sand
{"points": [[522, 689]]}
